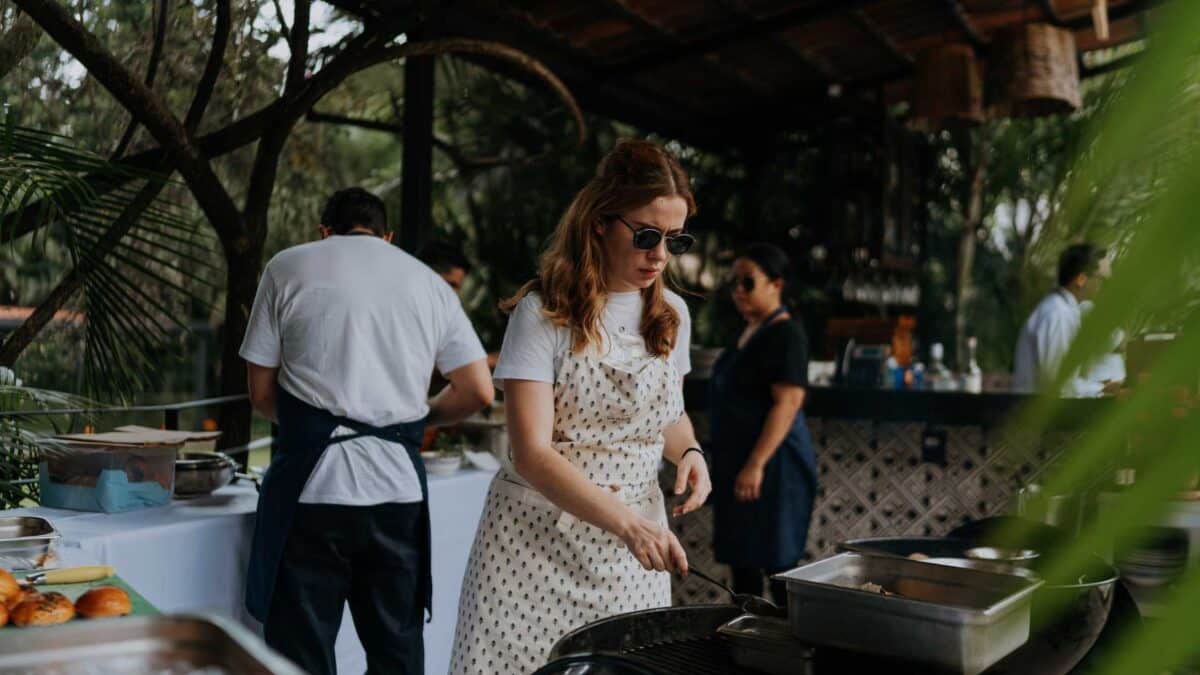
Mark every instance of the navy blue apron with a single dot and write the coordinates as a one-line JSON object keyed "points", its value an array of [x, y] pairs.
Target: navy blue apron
{"points": [[304, 433], [770, 532]]}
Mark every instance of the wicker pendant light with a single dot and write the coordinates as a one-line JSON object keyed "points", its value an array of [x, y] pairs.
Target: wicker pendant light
{"points": [[948, 88], [1033, 72]]}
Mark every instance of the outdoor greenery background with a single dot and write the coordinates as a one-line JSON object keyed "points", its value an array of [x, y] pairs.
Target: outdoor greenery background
{"points": [[504, 171]]}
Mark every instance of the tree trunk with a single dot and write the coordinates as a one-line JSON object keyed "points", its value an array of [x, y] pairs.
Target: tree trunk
{"points": [[244, 265], [976, 155], [18, 42]]}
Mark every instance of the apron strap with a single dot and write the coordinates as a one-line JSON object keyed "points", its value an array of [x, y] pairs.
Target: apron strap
{"points": [[309, 431]]}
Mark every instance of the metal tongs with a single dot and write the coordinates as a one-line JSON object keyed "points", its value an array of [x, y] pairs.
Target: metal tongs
{"points": [[750, 604]]}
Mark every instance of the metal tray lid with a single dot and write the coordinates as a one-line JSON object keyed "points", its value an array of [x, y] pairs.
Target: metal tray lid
{"points": [[26, 528]]}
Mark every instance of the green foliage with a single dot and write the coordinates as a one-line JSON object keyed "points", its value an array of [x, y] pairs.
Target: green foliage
{"points": [[20, 431], [1132, 184], [131, 296]]}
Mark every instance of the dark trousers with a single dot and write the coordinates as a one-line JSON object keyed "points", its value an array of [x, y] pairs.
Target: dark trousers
{"points": [[368, 555], [750, 580]]}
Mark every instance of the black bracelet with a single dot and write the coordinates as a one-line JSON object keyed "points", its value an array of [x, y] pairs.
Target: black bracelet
{"points": [[685, 452]]}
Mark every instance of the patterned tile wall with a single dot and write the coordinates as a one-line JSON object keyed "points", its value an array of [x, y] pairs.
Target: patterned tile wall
{"points": [[872, 482]]}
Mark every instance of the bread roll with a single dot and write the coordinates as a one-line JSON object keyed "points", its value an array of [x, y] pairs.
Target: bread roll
{"points": [[46, 609], [103, 601], [3, 615], [26, 593], [8, 586]]}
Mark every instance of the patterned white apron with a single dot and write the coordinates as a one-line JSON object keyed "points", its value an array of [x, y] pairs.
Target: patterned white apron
{"points": [[535, 572]]}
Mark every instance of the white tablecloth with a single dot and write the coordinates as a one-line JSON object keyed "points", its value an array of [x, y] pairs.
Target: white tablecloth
{"points": [[192, 555]]}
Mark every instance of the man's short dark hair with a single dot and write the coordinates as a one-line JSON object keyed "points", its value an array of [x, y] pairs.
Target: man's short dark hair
{"points": [[1076, 260], [354, 207], [443, 256]]}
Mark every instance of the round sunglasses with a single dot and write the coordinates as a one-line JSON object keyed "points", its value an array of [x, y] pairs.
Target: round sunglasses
{"points": [[746, 283], [647, 238]]}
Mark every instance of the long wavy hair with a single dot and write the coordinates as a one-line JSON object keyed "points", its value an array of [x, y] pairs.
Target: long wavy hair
{"points": [[572, 273]]}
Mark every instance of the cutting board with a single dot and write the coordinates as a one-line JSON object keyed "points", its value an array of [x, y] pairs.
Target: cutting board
{"points": [[140, 606]]}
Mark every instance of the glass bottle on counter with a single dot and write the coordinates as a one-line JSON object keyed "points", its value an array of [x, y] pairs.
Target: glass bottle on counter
{"points": [[939, 376], [972, 380]]}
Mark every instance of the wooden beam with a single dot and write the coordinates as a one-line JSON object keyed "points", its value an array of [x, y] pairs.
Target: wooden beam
{"points": [[819, 66], [629, 14], [624, 100], [750, 30], [871, 28], [1051, 13], [964, 22]]}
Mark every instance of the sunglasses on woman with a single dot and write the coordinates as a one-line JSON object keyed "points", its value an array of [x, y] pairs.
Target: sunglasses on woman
{"points": [[647, 238], [746, 283]]}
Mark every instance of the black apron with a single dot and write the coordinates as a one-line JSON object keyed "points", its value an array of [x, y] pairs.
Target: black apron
{"points": [[304, 433], [770, 532]]}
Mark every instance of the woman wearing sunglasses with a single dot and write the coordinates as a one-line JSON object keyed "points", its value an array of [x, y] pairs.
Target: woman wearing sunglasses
{"points": [[575, 527], [764, 468]]}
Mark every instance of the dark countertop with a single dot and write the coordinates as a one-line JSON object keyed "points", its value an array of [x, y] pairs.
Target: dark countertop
{"points": [[990, 408]]}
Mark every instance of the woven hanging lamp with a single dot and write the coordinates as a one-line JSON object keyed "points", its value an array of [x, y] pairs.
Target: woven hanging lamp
{"points": [[1033, 72], [948, 88]]}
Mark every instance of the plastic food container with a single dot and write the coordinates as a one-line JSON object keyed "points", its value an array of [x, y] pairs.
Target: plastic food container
{"points": [[106, 477]]}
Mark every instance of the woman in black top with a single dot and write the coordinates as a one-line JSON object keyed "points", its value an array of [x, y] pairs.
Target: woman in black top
{"points": [[764, 469]]}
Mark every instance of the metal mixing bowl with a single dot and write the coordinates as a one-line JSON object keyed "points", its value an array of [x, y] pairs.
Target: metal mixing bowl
{"points": [[200, 473]]}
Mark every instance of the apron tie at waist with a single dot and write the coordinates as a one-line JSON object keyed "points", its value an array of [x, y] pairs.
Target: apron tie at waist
{"points": [[515, 488], [304, 433]]}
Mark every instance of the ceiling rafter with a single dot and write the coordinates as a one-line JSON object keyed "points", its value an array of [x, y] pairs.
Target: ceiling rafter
{"points": [[871, 28], [634, 17], [963, 19], [750, 30]]}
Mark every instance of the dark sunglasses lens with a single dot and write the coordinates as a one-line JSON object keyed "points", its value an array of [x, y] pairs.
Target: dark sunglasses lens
{"points": [[646, 239], [747, 283], [680, 243]]}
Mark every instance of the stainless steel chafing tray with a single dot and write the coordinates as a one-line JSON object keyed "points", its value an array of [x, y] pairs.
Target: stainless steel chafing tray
{"points": [[163, 645], [962, 620], [25, 542]]}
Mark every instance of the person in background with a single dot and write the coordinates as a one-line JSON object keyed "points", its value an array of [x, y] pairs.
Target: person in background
{"points": [[452, 265], [448, 261], [764, 468], [342, 338], [1051, 328]]}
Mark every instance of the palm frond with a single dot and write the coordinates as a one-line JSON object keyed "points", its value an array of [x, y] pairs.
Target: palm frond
{"points": [[136, 294], [1133, 186]]}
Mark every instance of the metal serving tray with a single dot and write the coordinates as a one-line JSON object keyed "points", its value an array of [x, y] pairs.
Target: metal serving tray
{"points": [[961, 620], [25, 541], [163, 645]]}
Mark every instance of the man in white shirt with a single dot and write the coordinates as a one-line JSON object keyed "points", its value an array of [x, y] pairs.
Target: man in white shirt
{"points": [[343, 337], [1050, 329]]}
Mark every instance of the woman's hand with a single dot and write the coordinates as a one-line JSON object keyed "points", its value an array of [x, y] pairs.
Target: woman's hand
{"points": [[655, 546], [692, 471], [748, 486]]}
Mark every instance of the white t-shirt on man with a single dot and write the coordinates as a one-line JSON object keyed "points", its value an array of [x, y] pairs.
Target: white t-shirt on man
{"points": [[534, 347], [356, 327]]}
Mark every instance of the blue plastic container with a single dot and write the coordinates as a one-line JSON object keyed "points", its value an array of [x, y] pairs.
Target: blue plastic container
{"points": [[111, 479]]}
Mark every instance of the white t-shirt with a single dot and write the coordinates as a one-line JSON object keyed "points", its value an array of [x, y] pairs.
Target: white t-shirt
{"points": [[356, 327], [534, 347], [1044, 341]]}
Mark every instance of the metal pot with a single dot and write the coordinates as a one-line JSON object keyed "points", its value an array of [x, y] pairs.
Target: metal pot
{"points": [[1067, 618], [200, 473]]}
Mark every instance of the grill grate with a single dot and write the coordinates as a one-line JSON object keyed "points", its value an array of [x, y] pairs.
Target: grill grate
{"points": [[703, 656]]}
